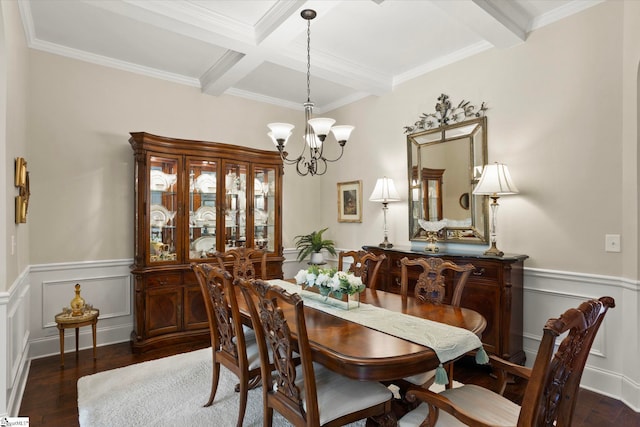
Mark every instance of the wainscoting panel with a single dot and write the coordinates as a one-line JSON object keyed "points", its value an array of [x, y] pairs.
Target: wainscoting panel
{"points": [[549, 293], [104, 284], [15, 309], [112, 295]]}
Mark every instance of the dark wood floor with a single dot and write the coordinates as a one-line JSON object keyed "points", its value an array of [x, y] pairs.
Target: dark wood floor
{"points": [[50, 397]]}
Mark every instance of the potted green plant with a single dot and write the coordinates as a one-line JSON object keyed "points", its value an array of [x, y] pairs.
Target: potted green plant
{"points": [[312, 244]]}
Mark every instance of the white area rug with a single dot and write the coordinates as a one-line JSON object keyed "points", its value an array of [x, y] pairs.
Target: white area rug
{"points": [[167, 392]]}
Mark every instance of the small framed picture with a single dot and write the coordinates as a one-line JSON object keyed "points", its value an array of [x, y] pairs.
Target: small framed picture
{"points": [[350, 201]]}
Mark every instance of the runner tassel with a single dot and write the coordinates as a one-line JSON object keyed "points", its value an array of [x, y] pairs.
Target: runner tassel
{"points": [[441, 375], [481, 356]]}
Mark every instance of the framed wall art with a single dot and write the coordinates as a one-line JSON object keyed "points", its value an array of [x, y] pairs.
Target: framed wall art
{"points": [[350, 201]]}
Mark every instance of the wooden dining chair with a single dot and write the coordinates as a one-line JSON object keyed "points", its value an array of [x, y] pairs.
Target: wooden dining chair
{"points": [[244, 262], [431, 287], [305, 393], [361, 265], [232, 345], [553, 382]]}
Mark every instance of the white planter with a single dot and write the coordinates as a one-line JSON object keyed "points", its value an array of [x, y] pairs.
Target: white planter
{"points": [[316, 258]]}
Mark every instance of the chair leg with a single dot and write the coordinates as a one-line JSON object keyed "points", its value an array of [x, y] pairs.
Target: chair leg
{"points": [[214, 383], [244, 392], [268, 416]]}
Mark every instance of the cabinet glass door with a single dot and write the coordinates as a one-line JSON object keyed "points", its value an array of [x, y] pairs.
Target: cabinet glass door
{"points": [[264, 186], [235, 205], [203, 184], [163, 206]]}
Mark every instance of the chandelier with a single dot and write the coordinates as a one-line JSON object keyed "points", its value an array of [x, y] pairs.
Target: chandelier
{"points": [[315, 129]]}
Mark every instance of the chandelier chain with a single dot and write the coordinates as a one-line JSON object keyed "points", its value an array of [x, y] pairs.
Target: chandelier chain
{"points": [[309, 61]]}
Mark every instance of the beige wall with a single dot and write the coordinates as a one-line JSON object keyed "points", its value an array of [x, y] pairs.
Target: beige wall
{"points": [[13, 143], [555, 117], [82, 164]]}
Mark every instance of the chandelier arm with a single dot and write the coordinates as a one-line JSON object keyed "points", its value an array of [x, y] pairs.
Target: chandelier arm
{"points": [[337, 158], [324, 169]]}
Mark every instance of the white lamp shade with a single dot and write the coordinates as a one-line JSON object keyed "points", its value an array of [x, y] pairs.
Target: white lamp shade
{"points": [[385, 191], [321, 126], [342, 132], [281, 131], [495, 181]]}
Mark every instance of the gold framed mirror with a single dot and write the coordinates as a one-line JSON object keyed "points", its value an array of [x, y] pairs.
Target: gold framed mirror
{"points": [[447, 151]]}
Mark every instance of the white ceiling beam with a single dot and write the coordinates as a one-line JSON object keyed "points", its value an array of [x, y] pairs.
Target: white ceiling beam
{"points": [[500, 22]]}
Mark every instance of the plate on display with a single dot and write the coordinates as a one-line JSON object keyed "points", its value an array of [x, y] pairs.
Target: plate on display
{"points": [[161, 181], [205, 215], [204, 243], [160, 216], [206, 183]]}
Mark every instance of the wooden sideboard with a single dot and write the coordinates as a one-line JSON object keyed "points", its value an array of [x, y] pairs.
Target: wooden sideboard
{"points": [[494, 289]]}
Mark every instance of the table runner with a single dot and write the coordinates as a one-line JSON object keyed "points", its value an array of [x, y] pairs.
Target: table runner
{"points": [[448, 342]]}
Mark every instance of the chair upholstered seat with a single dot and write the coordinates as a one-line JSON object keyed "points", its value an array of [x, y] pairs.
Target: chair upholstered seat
{"points": [[339, 395], [253, 353], [485, 405]]}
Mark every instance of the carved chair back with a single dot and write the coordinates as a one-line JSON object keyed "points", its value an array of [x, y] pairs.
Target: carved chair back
{"points": [[244, 262], [290, 386], [551, 394], [431, 285], [365, 265], [228, 342], [274, 333]]}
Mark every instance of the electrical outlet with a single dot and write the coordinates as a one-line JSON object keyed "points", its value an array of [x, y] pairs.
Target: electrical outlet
{"points": [[612, 242]]}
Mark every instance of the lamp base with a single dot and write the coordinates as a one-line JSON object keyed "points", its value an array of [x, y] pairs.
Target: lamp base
{"points": [[493, 250], [386, 244]]}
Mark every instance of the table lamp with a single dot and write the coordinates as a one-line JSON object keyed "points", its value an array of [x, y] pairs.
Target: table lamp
{"points": [[385, 192], [495, 182]]}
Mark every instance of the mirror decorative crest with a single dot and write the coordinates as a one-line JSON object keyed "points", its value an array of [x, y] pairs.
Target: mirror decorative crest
{"points": [[447, 151]]}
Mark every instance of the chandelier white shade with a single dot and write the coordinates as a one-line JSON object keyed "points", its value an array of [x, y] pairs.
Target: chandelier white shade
{"points": [[385, 192], [316, 130]]}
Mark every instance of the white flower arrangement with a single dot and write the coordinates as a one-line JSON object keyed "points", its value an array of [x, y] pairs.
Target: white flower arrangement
{"points": [[330, 281]]}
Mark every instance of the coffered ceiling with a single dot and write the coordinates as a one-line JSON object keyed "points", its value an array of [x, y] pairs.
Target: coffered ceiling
{"points": [[257, 48]]}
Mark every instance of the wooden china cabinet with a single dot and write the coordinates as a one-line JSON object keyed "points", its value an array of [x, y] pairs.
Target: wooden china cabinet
{"points": [[193, 198], [494, 289]]}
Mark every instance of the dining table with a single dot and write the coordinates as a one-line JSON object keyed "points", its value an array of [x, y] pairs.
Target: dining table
{"points": [[365, 353]]}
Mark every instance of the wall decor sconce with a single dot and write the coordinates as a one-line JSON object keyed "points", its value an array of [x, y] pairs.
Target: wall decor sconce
{"points": [[21, 181], [495, 182], [385, 192]]}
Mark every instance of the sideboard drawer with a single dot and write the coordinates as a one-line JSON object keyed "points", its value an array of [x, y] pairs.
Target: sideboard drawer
{"points": [[164, 279]]}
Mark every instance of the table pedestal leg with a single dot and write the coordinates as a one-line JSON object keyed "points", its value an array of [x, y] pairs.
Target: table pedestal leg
{"points": [[77, 334]]}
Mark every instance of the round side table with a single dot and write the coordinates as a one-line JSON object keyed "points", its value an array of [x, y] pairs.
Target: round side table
{"points": [[67, 321]]}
